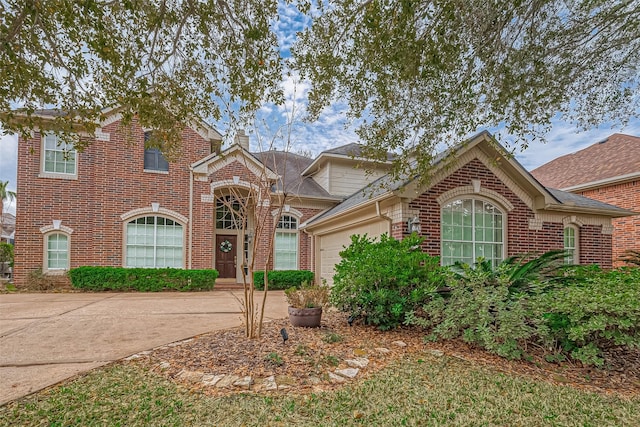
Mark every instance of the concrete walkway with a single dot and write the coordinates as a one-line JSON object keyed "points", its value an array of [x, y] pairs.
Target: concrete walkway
{"points": [[46, 338]]}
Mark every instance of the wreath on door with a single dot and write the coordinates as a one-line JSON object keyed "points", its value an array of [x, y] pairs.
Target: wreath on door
{"points": [[226, 246]]}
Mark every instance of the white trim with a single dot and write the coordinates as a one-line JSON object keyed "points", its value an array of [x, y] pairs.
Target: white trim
{"points": [[291, 212], [470, 191], [52, 227], [45, 247], [603, 182], [148, 211], [576, 241], [43, 153]]}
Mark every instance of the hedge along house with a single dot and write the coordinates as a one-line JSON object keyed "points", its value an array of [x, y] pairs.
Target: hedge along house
{"points": [[483, 204]]}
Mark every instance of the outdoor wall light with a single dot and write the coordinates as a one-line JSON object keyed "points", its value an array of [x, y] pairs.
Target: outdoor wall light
{"points": [[413, 225]]}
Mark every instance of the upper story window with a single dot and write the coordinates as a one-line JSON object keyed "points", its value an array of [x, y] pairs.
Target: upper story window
{"points": [[471, 229], [153, 158], [59, 157], [286, 244]]}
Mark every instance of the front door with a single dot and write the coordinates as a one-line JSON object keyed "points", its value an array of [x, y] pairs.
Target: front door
{"points": [[226, 256]]}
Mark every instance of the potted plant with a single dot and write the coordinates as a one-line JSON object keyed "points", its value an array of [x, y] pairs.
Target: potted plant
{"points": [[306, 303]]}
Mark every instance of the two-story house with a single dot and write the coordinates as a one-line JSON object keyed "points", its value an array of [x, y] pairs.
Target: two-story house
{"points": [[119, 203]]}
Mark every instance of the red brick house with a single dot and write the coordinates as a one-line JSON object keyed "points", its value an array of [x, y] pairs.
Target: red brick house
{"points": [[484, 204], [118, 203], [608, 171]]}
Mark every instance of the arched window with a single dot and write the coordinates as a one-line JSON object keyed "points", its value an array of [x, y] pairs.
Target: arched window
{"points": [[154, 242], [229, 214], [471, 228], [286, 244], [56, 251], [571, 245]]}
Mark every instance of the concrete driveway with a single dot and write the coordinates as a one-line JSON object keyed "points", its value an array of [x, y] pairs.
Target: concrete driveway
{"points": [[46, 338]]}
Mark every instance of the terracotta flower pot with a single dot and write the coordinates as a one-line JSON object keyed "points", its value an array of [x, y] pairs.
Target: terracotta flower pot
{"points": [[305, 317]]}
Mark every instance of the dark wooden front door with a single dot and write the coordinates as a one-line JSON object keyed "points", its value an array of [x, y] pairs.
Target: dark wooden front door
{"points": [[226, 256]]}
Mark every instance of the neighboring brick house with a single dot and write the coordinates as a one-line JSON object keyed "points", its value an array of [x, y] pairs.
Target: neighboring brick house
{"points": [[608, 171], [120, 204], [484, 204]]}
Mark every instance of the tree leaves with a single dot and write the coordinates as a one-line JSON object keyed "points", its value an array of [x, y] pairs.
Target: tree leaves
{"points": [[424, 73]]}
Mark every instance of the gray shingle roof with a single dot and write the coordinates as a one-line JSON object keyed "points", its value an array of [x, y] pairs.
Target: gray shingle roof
{"points": [[580, 201], [290, 166], [350, 150]]}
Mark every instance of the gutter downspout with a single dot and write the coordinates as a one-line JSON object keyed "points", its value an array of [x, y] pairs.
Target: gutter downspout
{"points": [[190, 237], [380, 215]]}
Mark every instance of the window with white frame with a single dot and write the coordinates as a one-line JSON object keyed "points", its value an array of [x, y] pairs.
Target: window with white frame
{"points": [[57, 251], [154, 160], [154, 242], [471, 228], [229, 214], [59, 156], [571, 245], [286, 244]]}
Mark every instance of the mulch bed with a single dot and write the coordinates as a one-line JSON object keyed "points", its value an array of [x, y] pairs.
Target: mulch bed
{"points": [[303, 361]]}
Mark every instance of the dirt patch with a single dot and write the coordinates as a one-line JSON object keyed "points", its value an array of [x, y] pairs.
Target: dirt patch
{"points": [[304, 361]]}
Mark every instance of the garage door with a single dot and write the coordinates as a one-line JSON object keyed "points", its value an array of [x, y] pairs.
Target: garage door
{"points": [[332, 244]]}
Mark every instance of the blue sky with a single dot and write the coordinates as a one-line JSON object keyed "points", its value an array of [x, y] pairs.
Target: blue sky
{"points": [[330, 130]]}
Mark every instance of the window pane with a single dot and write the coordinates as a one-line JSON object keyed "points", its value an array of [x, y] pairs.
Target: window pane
{"points": [[471, 229], [57, 252], [154, 242], [286, 251], [59, 157]]}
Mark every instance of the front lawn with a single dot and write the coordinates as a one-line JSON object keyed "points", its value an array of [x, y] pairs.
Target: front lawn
{"points": [[421, 389]]}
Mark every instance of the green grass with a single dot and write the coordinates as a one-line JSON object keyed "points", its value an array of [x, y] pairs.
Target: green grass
{"points": [[427, 392]]}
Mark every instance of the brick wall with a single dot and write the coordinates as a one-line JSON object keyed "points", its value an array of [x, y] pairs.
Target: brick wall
{"points": [[626, 231], [595, 247], [111, 181]]}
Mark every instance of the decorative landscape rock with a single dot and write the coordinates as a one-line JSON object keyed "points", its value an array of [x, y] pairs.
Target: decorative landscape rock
{"points": [[437, 353], [164, 365], [358, 362], [244, 382], [382, 350], [190, 376], [334, 378], [269, 383], [399, 343], [211, 380], [227, 381], [348, 372]]}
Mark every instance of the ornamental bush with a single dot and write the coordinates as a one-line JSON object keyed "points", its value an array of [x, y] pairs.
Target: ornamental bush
{"points": [[577, 312], [141, 279], [590, 315], [382, 281], [282, 279]]}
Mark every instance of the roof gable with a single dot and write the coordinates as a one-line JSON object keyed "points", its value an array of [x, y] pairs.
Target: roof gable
{"points": [[214, 162], [614, 158]]}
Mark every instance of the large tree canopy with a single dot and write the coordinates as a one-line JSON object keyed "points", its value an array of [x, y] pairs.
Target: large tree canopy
{"points": [[415, 73], [167, 63]]}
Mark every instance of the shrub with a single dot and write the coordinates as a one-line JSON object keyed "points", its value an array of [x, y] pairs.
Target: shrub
{"points": [[282, 279], [598, 312], [484, 306], [381, 281], [39, 281], [141, 279]]}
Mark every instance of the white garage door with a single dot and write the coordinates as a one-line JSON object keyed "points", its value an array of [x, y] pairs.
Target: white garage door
{"points": [[332, 244]]}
